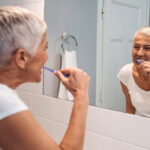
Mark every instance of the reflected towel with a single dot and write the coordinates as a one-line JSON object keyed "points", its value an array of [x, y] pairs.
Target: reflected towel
{"points": [[68, 60]]}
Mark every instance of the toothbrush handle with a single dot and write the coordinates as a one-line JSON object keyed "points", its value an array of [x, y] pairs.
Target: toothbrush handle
{"points": [[66, 75], [51, 70], [138, 62]]}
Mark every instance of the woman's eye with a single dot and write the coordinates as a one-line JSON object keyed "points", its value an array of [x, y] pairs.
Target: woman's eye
{"points": [[147, 48], [137, 47]]}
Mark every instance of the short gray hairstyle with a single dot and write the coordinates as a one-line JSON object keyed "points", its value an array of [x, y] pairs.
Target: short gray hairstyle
{"points": [[19, 28], [143, 30]]}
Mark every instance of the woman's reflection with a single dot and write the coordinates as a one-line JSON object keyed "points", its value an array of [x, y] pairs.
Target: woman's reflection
{"points": [[135, 77]]}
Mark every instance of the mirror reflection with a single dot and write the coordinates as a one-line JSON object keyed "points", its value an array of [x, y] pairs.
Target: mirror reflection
{"points": [[79, 19], [134, 77], [121, 20], [104, 31]]}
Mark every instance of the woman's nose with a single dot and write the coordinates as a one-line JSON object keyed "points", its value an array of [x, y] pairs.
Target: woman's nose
{"points": [[140, 52]]}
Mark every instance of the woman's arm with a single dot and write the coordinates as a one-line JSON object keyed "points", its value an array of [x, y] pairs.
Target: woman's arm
{"points": [[129, 107], [74, 136], [21, 131]]}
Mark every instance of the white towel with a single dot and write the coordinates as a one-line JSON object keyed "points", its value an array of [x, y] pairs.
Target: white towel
{"points": [[68, 60]]}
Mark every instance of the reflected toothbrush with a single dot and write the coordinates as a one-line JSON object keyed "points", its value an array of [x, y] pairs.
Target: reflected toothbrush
{"points": [[138, 61], [53, 71]]}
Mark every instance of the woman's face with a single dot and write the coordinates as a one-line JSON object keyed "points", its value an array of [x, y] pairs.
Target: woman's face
{"points": [[141, 48], [36, 62]]}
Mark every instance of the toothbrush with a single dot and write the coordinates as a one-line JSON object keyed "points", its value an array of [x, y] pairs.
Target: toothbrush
{"points": [[138, 61], [49, 69], [53, 71]]}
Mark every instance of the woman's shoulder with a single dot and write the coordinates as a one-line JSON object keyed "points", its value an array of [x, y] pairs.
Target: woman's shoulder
{"points": [[127, 68], [125, 73], [7, 94], [10, 102], [5, 91]]}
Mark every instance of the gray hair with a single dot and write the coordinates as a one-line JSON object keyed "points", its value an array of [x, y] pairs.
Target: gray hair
{"points": [[143, 30], [19, 28]]}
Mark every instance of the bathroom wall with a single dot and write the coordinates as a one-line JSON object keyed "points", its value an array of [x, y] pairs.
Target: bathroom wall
{"points": [[106, 129]]}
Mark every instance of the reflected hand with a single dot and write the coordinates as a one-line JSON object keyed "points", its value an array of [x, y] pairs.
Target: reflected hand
{"points": [[144, 68], [77, 82]]}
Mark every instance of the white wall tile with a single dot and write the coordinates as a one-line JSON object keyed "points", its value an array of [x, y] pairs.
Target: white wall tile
{"points": [[98, 142], [62, 110], [28, 6], [6, 2], [54, 129], [118, 145], [132, 129], [25, 87], [38, 9], [37, 88], [100, 121], [36, 1], [42, 106], [26, 97], [21, 1]]}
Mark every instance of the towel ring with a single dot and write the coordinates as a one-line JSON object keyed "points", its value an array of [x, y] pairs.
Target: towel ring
{"points": [[65, 36]]}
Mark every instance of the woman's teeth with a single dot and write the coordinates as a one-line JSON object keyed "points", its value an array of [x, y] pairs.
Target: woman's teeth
{"points": [[141, 60]]}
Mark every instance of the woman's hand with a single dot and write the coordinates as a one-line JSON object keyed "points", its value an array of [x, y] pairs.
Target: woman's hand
{"points": [[77, 82], [144, 68]]}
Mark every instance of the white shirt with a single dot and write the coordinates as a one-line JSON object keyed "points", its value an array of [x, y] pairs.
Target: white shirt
{"points": [[10, 103], [140, 99]]}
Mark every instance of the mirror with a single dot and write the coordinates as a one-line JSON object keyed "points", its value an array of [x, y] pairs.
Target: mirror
{"points": [[80, 20], [104, 31]]}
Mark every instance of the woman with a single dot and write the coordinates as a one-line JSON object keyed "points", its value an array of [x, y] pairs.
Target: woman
{"points": [[135, 77], [23, 53]]}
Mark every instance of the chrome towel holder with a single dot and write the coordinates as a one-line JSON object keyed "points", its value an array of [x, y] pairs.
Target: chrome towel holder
{"points": [[65, 36]]}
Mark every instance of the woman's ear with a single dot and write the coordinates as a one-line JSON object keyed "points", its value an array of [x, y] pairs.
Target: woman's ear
{"points": [[21, 58]]}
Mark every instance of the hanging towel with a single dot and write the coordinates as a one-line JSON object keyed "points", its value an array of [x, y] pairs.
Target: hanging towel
{"points": [[68, 60]]}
